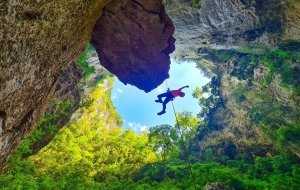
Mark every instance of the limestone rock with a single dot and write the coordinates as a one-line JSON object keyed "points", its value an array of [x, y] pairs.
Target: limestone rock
{"points": [[133, 40], [37, 40], [243, 26], [67, 90], [226, 24]]}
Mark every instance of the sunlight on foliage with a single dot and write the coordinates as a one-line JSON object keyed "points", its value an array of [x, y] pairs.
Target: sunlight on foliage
{"points": [[88, 70], [95, 153]]}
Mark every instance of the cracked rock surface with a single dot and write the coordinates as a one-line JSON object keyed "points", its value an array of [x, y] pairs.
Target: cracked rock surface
{"points": [[133, 39]]}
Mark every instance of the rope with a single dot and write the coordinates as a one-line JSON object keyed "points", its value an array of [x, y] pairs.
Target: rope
{"points": [[183, 144]]}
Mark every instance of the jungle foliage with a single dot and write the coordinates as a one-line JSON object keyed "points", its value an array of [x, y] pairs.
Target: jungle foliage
{"points": [[208, 97], [93, 152]]}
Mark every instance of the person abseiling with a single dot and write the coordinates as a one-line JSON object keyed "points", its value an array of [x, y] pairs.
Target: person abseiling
{"points": [[169, 95]]}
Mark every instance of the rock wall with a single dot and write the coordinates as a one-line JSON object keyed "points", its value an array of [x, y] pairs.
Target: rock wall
{"points": [[254, 105], [230, 130], [232, 24], [37, 40], [68, 98], [133, 39], [251, 26], [67, 92]]}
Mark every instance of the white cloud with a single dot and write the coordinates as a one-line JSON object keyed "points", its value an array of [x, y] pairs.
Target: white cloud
{"points": [[159, 89], [143, 128], [137, 127], [114, 96], [119, 90]]}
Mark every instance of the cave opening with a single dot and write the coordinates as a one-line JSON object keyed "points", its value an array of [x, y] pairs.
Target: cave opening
{"points": [[138, 109]]}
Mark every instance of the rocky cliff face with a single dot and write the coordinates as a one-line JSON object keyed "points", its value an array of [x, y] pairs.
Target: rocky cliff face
{"points": [[69, 96], [220, 24], [133, 40], [256, 106], [37, 40], [65, 102], [247, 28]]}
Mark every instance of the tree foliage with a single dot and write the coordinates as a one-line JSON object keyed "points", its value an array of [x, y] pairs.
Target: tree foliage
{"points": [[207, 98], [81, 61], [93, 152]]}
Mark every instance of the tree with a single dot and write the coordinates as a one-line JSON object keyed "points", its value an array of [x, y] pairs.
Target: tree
{"points": [[207, 102], [165, 140], [197, 93], [188, 122]]}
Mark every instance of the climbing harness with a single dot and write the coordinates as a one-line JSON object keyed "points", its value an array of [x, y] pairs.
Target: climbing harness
{"points": [[183, 144]]}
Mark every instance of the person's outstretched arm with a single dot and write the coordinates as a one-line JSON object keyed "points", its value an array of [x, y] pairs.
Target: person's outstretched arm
{"points": [[184, 87]]}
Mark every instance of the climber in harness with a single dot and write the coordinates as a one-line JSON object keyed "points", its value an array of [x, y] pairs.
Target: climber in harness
{"points": [[169, 95]]}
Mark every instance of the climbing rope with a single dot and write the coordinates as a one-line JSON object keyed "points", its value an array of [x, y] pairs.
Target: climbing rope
{"points": [[183, 144]]}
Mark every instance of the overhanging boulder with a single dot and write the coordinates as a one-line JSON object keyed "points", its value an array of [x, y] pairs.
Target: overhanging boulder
{"points": [[133, 39]]}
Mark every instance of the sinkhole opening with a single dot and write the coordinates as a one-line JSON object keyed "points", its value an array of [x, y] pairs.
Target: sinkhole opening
{"points": [[139, 109]]}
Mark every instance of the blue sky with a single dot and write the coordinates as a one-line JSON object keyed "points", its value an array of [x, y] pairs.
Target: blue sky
{"points": [[138, 109]]}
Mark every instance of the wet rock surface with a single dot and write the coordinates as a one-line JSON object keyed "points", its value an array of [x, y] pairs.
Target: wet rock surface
{"points": [[133, 39]]}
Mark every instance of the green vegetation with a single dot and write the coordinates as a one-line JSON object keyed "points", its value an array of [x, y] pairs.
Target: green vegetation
{"points": [[93, 152], [196, 3], [242, 173], [240, 93], [277, 119], [207, 98], [88, 70], [164, 138], [266, 80], [243, 63], [86, 154], [83, 157], [274, 119], [223, 55], [49, 126], [102, 78], [188, 123], [282, 62]]}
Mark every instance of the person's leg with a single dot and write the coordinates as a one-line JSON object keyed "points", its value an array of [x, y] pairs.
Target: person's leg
{"points": [[167, 100], [161, 96]]}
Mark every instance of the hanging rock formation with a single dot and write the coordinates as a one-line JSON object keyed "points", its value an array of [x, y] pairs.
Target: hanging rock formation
{"points": [[133, 39]]}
